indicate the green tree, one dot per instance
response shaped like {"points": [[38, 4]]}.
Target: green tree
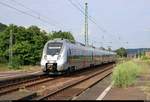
{"points": [[2, 27], [27, 44], [60, 34], [121, 52], [4, 41]]}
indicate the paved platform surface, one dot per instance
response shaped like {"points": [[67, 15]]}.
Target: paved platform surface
{"points": [[130, 93], [93, 92]]}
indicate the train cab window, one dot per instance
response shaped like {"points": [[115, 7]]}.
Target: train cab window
{"points": [[54, 48]]}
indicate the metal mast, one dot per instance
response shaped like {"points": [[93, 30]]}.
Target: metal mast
{"points": [[10, 48], [86, 24]]}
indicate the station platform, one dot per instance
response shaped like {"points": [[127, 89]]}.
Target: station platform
{"points": [[96, 91]]}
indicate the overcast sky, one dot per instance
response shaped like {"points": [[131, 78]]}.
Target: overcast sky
{"points": [[123, 20]]}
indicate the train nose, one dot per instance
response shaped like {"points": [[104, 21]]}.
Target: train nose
{"points": [[52, 57]]}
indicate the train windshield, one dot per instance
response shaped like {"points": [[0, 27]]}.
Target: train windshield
{"points": [[54, 48]]}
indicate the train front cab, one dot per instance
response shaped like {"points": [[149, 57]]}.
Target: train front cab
{"points": [[53, 60]]}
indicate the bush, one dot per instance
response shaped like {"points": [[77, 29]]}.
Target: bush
{"points": [[15, 63], [125, 74], [145, 58]]}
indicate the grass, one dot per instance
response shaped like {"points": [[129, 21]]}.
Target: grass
{"points": [[145, 59], [4, 67], [125, 74], [145, 73]]}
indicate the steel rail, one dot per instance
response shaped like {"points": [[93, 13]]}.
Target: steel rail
{"points": [[71, 84]]}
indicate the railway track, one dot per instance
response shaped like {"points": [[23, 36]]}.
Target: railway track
{"points": [[18, 79], [74, 88], [47, 88], [23, 84]]}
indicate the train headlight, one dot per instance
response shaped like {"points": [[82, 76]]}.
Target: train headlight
{"points": [[45, 57]]}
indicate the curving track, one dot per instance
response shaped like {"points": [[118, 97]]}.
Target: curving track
{"points": [[75, 87], [61, 87]]}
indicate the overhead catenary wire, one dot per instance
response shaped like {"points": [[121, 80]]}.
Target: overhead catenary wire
{"points": [[90, 18], [26, 13], [80, 9], [93, 18], [39, 14], [35, 12], [101, 28], [39, 17]]}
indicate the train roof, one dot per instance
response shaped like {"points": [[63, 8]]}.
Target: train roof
{"points": [[81, 44]]}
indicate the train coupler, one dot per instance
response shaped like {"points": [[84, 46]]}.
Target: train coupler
{"points": [[51, 67]]}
